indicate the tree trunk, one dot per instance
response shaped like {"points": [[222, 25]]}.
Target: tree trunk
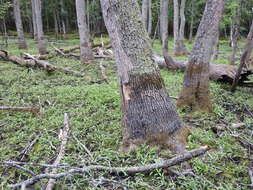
{"points": [[235, 34], [145, 10], [180, 49], [175, 21], [164, 20], [19, 26], [148, 113], [63, 19], [195, 93], [35, 32], [85, 45], [41, 41], [150, 17], [192, 20], [247, 51], [56, 28], [216, 47]]}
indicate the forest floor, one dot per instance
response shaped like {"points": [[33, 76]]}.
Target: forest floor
{"points": [[95, 120]]}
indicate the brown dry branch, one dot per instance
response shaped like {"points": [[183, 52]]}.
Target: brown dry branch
{"points": [[34, 110], [64, 138], [127, 170]]}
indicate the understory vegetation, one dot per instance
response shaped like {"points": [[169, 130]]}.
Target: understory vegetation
{"points": [[94, 109]]}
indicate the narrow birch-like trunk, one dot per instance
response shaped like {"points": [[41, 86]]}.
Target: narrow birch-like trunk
{"points": [[85, 45], [35, 30], [216, 47], [150, 17], [41, 41], [19, 26], [195, 92], [56, 28], [63, 18], [148, 113], [235, 34], [175, 21], [145, 10], [180, 49], [192, 20], [164, 10]]}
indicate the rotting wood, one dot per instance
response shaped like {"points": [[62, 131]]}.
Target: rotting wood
{"points": [[63, 136], [34, 110], [33, 62], [126, 170], [218, 72]]}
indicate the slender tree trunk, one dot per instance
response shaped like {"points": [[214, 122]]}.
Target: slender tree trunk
{"points": [[180, 49], [145, 10], [150, 17], [216, 47], [85, 45], [35, 32], [246, 54], [56, 28], [148, 113], [195, 93], [192, 20], [41, 41], [19, 26], [175, 21], [164, 10], [234, 34], [63, 19]]}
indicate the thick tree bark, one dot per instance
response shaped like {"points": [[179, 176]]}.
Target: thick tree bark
{"points": [[35, 32], [180, 48], [85, 45], [148, 113], [19, 26], [41, 41], [195, 92]]}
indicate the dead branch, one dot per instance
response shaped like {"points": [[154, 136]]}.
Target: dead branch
{"points": [[127, 170], [63, 136], [28, 148], [34, 62], [34, 110], [218, 72]]}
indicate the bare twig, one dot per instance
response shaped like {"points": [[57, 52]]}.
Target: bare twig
{"points": [[33, 164], [20, 167], [34, 110], [128, 170], [64, 138], [83, 146], [28, 148]]}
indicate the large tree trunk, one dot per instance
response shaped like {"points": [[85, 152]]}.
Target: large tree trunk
{"points": [[41, 41], [19, 26], [35, 32], [195, 93], [180, 49], [85, 45], [148, 113]]}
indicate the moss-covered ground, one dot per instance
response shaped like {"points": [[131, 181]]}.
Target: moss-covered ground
{"points": [[95, 120]]}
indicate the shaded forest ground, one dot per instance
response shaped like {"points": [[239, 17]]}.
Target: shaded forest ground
{"points": [[95, 121]]}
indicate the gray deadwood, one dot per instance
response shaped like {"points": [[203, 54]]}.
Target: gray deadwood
{"points": [[85, 45], [195, 92], [19, 26], [149, 115]]}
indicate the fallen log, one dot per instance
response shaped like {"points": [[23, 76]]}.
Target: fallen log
{"points": [[218, 72], [33, 62], [33, 110], [127, 170]]}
